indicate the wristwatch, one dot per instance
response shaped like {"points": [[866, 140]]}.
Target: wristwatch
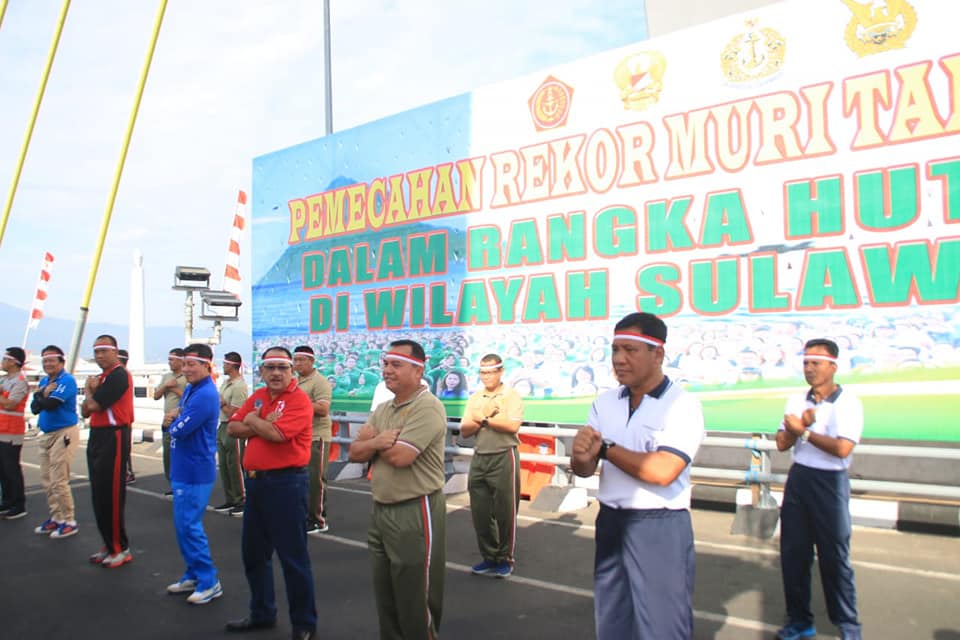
{"points": [[602, 455], [485, 423], [805, 436]]}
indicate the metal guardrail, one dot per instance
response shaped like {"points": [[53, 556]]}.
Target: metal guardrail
{"points": [[757, 474]]}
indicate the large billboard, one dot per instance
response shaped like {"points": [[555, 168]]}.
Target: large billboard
{"points": [[758, 181]]}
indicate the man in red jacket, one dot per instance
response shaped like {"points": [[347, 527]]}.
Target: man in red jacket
{"points": [[108, 403]]}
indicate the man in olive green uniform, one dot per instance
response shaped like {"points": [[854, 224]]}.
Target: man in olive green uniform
{"points": [[320, 393], [494, 415], [170, 389], [233, 393], [404, 440]]}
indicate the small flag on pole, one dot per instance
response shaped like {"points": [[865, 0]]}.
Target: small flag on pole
{"points": [[231, 275], [36, 312]]}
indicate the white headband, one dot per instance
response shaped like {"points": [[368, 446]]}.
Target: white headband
{"points": [[820, 357], [305, 354], [7, 356], [174, 357], [104, 347], [393, 355], [491, 367], [638, 337], [277, 359], [52, 356], [239, 364], [198, 359]]}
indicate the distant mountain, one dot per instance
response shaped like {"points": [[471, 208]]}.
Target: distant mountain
{"points": [[157, 340]]}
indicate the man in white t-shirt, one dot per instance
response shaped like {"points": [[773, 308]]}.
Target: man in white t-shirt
{"points": [[822, 425], [647, 432]]}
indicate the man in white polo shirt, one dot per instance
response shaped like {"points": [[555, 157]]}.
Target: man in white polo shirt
{"points": [[822, 425], [647, 432]]}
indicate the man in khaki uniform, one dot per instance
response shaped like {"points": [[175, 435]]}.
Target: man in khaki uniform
{"points": [[494, 415], [404, 440], [320, 393], [170, 389], [233, 393]]}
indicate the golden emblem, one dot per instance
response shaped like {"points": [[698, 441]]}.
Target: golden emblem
{"points": [[879, 25], [753, 55], [640, 79], [550, 104]]}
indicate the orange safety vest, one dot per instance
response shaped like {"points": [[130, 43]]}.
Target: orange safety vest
{"points": [[11, 420]]}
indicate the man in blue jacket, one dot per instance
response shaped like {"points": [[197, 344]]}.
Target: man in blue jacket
{"points": [[193, 469]]}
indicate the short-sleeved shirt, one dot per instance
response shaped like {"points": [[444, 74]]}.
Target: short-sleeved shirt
{"points": [[503, 401], [170, 399], [233, 392], [668, 419], [317, 388], [65, 415], [422, 421], [839, 415], [294, 423]]}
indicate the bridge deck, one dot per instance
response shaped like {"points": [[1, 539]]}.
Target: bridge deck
{"points": [[907, 582]]}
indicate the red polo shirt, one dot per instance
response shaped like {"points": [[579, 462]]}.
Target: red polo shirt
{"points": [[295, 423]]}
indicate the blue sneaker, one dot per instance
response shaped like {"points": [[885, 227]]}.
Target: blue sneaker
{"points": [[502, 570], [483, 568], [795, 632]]}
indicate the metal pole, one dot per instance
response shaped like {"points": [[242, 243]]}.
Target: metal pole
{"points": [[327, 75], [3, 10], [33, 116], [105, 224]]}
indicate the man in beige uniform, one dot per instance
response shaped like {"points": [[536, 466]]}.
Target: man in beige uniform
{"points": [[233, 393], [404, 440], [170, 389], [320, 393], [494, 415]]}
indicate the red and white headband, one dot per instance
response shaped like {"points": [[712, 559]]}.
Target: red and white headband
{"points": [[638, 337], [233, 362], [198, 359], [403, 357], [51, 356], [491, 367], [7, 356], [817, 356], [173, 356], [305, 354], [283, 359]]}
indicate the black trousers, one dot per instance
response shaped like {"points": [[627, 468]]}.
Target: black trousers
{"points": [[108, 453], [11, 477]]}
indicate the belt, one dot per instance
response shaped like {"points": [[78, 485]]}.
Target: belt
{"points": [[251, 473]]}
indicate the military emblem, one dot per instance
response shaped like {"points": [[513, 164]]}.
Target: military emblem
{"points": [[879, 25], [640, 79], [753, 55], [550, 104]]}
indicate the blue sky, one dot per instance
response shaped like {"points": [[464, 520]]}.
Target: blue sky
{"points": [[231, 80]]}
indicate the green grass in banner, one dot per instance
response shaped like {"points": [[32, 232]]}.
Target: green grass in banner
{"points": [[922, 418]]}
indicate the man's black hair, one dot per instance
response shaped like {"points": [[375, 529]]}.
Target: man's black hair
{"points": [[52, 348], [416, 349], [829, 345], [647, 323], [199, 349], [277, 348]]}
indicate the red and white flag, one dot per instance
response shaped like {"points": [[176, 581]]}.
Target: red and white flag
{"points": [[231, 275], [36, 312]]}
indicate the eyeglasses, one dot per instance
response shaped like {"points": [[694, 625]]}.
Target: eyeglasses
{"points": [[275, 367]]}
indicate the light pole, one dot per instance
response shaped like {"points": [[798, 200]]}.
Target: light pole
{"points": [[218, 306]]}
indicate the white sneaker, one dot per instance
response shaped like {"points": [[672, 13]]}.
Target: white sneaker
{"points": [[205, 596], [117, 559], [183, 586]]}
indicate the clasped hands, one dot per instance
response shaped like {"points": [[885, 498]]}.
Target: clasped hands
{"points": [[382, 440], [796, 425]]}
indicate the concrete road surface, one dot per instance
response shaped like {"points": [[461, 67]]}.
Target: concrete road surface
{"points": [[908, 583]]}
